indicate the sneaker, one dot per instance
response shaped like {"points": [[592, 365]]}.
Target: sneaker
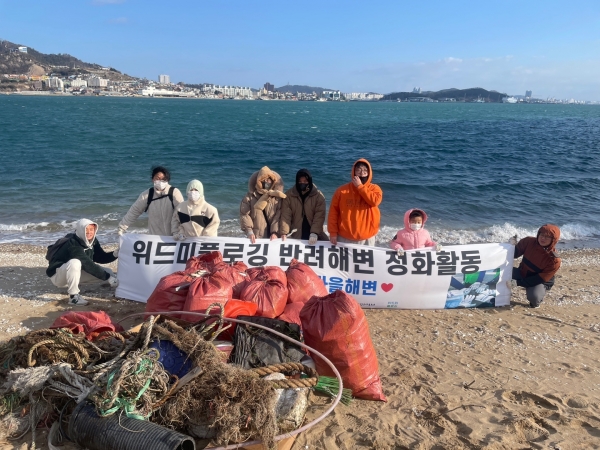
{"points": [[77, 300], [534, 306]]}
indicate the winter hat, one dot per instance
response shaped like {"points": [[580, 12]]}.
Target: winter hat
{"points": [[195, 184]]}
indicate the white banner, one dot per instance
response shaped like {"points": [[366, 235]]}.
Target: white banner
{"points": [[458, 276]]}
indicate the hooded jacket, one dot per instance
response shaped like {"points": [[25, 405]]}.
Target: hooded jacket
{"points": [[197, 218], [408, 239], [539, 264], [310, 204], [260, 209], [89, 253], [354, 211], [160, 211]]}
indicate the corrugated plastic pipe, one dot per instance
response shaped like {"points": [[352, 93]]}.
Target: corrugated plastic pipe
{"points": [[283, 336], [93, 432]]}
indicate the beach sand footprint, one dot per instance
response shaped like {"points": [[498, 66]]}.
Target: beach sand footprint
{"points": [[528, 399]]}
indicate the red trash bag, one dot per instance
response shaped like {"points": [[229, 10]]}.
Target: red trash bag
{"points": [[92, 323], [235, 273], [270, 294], [291, 313], [203, 292], [170, 293], [207, 261], [270, 272], [303, 283], [336, 326]]}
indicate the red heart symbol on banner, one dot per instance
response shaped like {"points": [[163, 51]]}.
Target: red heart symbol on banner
{"points": [[387, 287]]}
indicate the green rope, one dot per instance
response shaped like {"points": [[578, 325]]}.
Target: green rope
{"points": [[145, 366], [331, 387]]}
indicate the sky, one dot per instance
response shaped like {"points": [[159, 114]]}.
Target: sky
{"points": [[550, 47]]}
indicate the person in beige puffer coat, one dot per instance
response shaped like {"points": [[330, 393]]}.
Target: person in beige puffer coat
{"points": [[260, 209], [303, 210], [195, 217], [160, 209]]}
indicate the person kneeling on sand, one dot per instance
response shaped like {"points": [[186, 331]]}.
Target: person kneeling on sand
{"points": [[539, 265], [73, 260]]}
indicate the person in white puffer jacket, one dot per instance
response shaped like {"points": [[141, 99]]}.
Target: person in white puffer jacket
{"points": [[159, 201], [195, 217]]}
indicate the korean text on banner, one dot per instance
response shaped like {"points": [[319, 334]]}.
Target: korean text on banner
{"points": [[459, 276]]}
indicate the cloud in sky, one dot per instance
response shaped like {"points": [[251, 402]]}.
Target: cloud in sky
{"points": [[119, 20]]}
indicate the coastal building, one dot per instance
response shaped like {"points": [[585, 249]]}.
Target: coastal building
{"points": [[363, 96], [332, 95], [97, 82], [55, 84], [528, 94], [164, 79], [269, 87], [151, 91], [416, 90], [228, 91], [78, 82]]}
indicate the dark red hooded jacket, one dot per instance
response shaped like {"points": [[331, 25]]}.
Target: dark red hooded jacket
{"points": [[539, 264]]}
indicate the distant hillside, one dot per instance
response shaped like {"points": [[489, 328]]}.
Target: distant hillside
{"points": [[459, 94], [303, 89], [36, 63]]}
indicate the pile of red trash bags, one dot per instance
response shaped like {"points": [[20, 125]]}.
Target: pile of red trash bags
{"points": [[333, 324]]}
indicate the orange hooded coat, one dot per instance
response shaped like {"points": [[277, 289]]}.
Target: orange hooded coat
{"points": [[354, 211]]}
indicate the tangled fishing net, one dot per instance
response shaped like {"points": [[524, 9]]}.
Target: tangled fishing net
{"points": [[232, 402], [45, 373]]}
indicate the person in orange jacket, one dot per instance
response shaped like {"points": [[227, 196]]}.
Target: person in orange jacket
{"points": [[354, 211]]}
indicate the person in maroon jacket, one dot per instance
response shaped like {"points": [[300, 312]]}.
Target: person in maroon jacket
{"points": [[539, 265]]}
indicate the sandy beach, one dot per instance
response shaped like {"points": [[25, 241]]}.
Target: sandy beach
{"points": [[502, 378]]}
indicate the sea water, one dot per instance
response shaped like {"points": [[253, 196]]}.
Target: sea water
{"points": [[482, 172]]}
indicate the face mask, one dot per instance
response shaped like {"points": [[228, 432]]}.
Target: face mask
{"points": [[415, 226], [267, 185], [160, 185], [302, 186], [194, 196], [363, 180]]}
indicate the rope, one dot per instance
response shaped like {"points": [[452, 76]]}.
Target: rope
{"points": [[289, 382], [204, 330], [101, 369], [130, 382]]}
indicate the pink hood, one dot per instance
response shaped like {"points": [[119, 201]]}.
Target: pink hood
{"points": [[408, 239]]}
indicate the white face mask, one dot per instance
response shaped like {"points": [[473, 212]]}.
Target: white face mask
{"points": [[415, 226], [160, 185], [193, 196]]}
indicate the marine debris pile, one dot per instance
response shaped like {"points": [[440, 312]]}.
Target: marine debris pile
{"points": [[184, 376]]}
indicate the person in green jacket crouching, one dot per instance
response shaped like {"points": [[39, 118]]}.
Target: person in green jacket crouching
{"points": [[74, 259]]}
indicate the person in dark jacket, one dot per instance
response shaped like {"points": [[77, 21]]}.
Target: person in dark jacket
{"points": [[303, 211], [76, 261], [539, 265]]}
